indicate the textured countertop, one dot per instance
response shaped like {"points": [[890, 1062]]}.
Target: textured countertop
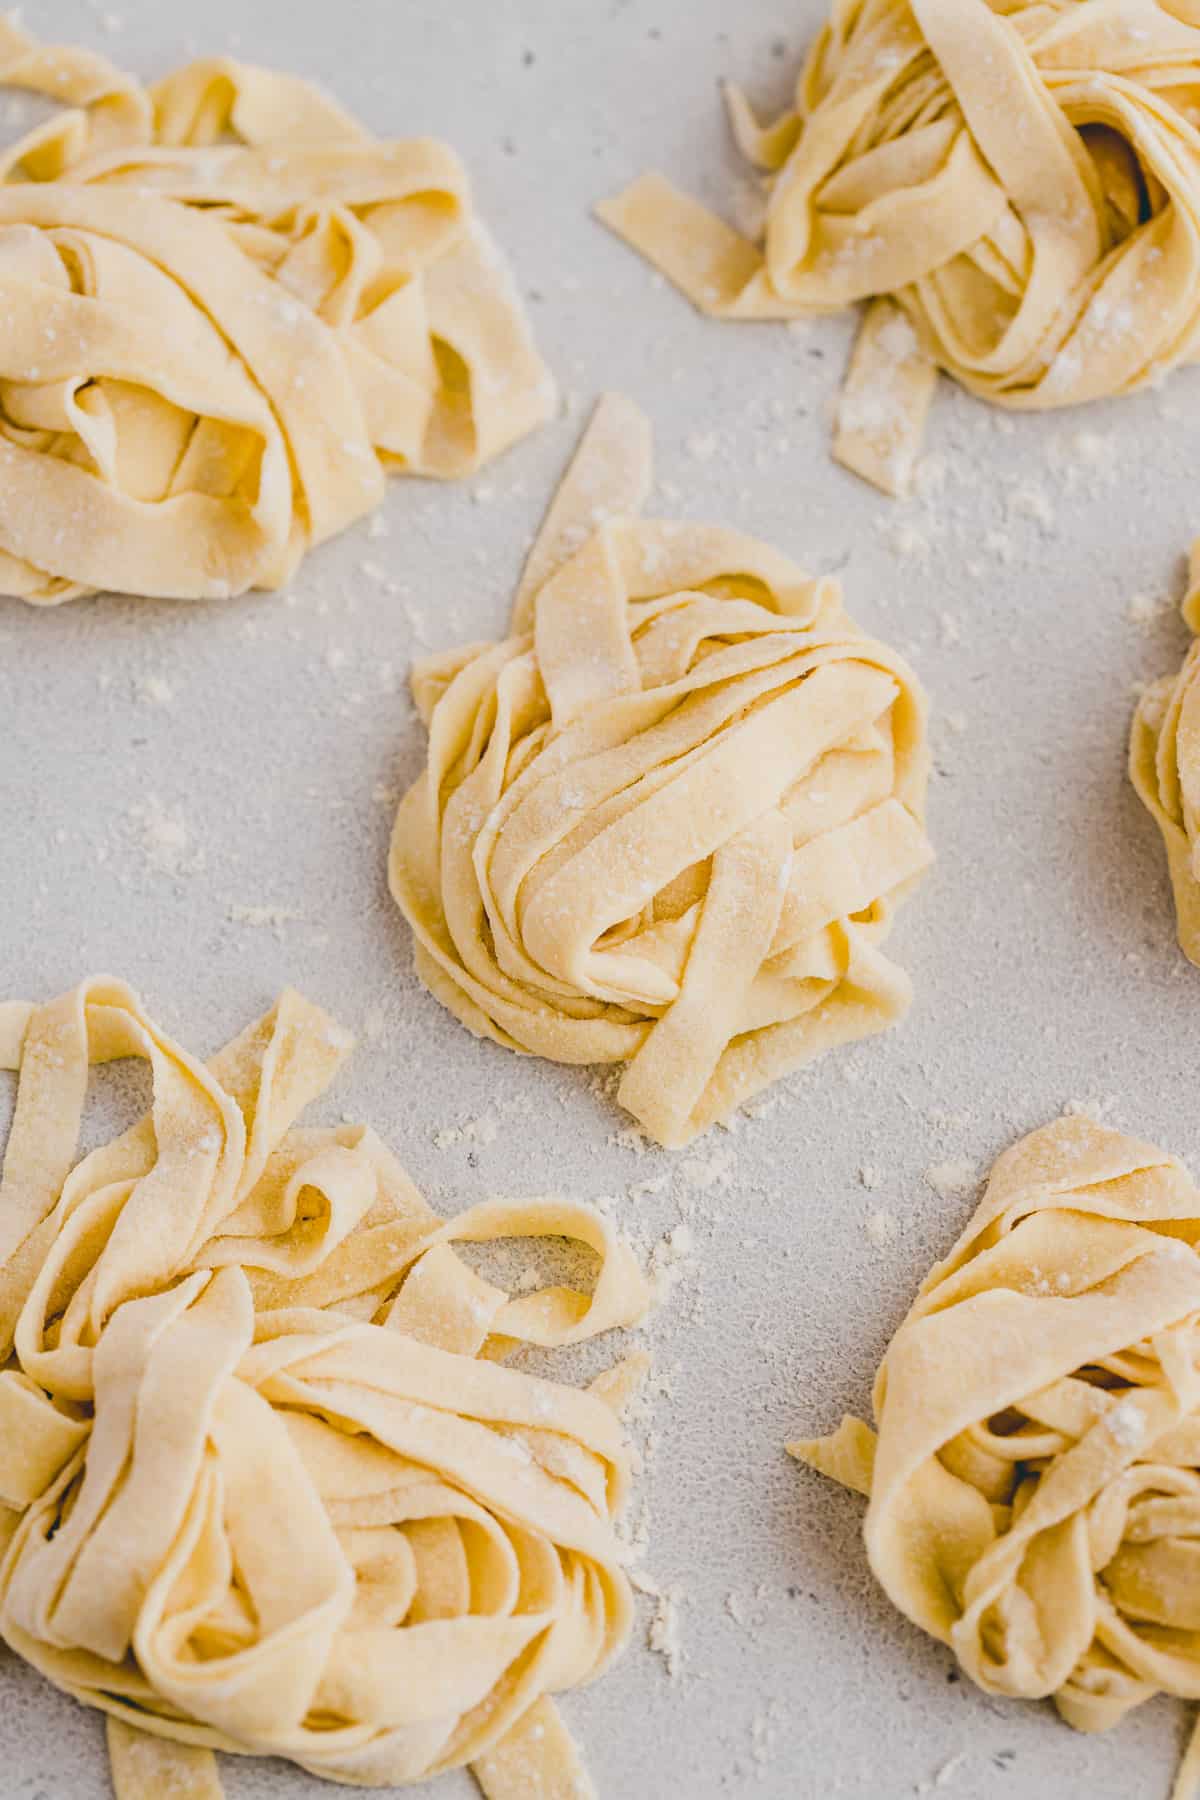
{"points": [[198, 798]]}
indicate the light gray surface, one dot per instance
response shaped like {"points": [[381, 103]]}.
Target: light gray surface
{"points": [[1042, 947]]}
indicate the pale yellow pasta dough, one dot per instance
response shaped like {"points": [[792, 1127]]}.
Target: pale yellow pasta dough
{"points": [[1015, 183], [265, 1486], [668, 820], [1035, 1478], [1164, 766], [226, 311]]}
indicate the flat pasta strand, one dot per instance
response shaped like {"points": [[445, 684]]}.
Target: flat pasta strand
{"points": [[265, 1485], [1034, 1477], [669, 820], [1020, 178], [228, 312], [1164, 766]]}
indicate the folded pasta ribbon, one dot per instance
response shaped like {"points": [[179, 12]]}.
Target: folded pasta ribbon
{"points": [[667, 822], [265, 1485], [1035, 1481], [1014, 186], [227, 310], [1164, 766]]}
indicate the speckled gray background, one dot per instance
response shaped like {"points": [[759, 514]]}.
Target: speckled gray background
{"points": [[273, 733]]}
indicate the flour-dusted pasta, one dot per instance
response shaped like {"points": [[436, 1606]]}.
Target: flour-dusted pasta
{"points": [[1035, 1481], [667, 822], [1015, 184], [1164, 766], [225, 311], [265, 1485]]}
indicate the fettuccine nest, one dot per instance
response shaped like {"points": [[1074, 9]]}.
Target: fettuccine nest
{"points": [[227, 311], [1014, 183], [265, 1486], [1035, 1478], [668, 821]]}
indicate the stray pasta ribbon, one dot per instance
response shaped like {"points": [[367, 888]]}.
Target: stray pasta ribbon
{"points": [[1164, 766], [1013, 186], [668, 821], [227, 312], [1034, 1480], [265, 1485]]}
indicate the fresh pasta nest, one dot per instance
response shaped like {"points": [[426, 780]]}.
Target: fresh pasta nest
{"points": [[667, 822], [1020, 178], [1164, 766], [264, 1485], [226, 311], [1035, 1481]]}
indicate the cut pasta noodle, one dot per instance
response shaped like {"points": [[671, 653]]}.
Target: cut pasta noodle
{"points": [[1164, 766], [1013, 186], [227, 311], [668, 821], [1035, 1481], [265, 1485]]}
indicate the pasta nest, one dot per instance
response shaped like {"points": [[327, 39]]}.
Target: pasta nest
{"points": [[1022, 180], [1035, 1483], [1164, 766], [227, 310], [265, 1486], [668, 820]]}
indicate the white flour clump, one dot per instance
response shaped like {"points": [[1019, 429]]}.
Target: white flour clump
{"points": [[881, 1229], [1146, 609], [702, 445], [951, 1179], [165, 839], [1126, 1423], [154, 690]]}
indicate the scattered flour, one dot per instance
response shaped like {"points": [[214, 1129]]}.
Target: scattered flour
{"points": [[1090, 1109], [670, 1261], [715, 1170], [484, 1130], [702, 445], [263, 918]]}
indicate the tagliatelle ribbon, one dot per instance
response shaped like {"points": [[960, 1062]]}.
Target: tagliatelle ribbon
{"points": [[1013, 184], [265, 1486], [1164, 766], [1035, 1478], [668, 821], [227, 311]]}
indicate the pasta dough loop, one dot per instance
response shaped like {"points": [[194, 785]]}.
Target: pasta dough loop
{"points": [[1035, 1481], [228, 310], [668, 821], [1013, 184], [265, 1486], [1164, 766]]}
